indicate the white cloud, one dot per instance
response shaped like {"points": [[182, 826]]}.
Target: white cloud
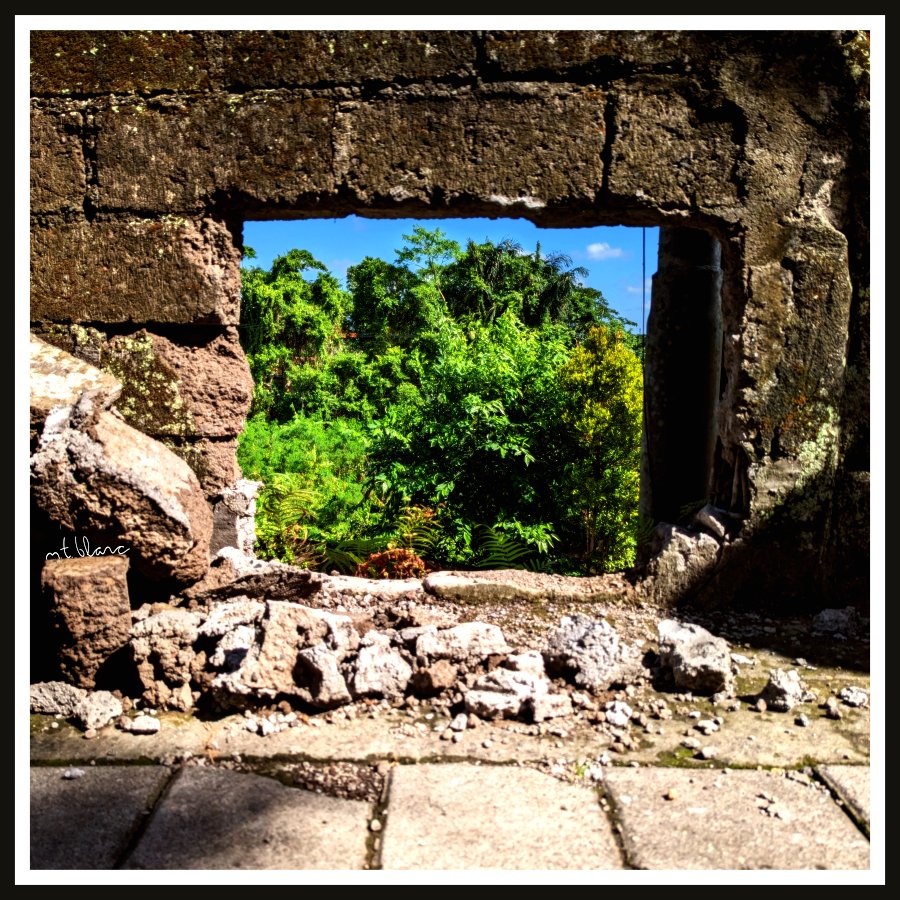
{"points": [[636, 289], [604, 251]]}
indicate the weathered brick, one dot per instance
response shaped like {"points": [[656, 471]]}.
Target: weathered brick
{"points": [[100, 62], [176, 154], [199, 386], [214, 462], [414, 148], [271, 59], [57, 161], [662, 153], [132, 270], [539, 51]]}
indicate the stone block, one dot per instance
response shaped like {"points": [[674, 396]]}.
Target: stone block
{"points": [[407, 149], [57, 161], [178, 153], [89, 604], [135, 270], [104, 62]]}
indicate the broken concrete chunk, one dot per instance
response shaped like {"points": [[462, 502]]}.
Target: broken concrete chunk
{"points": [[298, 653], [232, 649], [681, 561], [783, 691], [590, 651], [471, 641], [700, 662], [141, 725], [319, 679], [163, 646], [437, 677], [550, 706], [494, 705], [58, 379], [228, 615], [531, 661], [854, 696], [97, 709], [380, 672], [618, 714], [55, 698]]}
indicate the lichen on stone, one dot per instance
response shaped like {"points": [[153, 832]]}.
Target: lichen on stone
{"points": [[151, 398]]}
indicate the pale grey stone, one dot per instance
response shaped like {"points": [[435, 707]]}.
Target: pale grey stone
{"points": [[591, 651], [55, 698], [471, 641], [380, 671], [783, 691], [699, 661], [97, 709]]}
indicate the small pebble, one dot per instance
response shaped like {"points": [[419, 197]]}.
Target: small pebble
{"points": [[457, 737], [144, 725], [71, 773], [671, 794], [802, 720], [761, 705], [375, 825], [707, 753], [90, 733]]}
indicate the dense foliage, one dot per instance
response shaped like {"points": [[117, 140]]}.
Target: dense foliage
{"points": [[468, 407]]}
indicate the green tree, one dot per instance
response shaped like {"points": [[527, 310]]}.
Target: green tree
{"points": [[602, 384], [288, 323]]}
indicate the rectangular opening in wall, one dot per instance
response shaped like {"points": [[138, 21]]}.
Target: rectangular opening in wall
{"points": [[461, 393]]}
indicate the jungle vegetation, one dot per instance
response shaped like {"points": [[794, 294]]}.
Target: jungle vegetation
{"points": [[457, 407]]}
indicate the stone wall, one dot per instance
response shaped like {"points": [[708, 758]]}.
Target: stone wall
{"points": [[149, 150]]}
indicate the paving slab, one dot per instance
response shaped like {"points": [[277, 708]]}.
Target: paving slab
{"points": [[853, 784], [86, 822], [493, 817], [217, 819], [740, 819]]}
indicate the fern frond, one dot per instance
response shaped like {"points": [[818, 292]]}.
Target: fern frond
{"points": [[500, 551]]}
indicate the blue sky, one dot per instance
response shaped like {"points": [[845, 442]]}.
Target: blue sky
{"points": [[612, 255]]}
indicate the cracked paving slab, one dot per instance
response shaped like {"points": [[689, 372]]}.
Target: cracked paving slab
{"points": [[212, 819], [493, 817], [853, 784], [85, 818], [739, 819]]}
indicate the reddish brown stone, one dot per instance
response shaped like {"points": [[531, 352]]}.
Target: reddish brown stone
{"points": [[214, 462], [437, 677], [88, 598], [200, 387], [98, 475]]}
